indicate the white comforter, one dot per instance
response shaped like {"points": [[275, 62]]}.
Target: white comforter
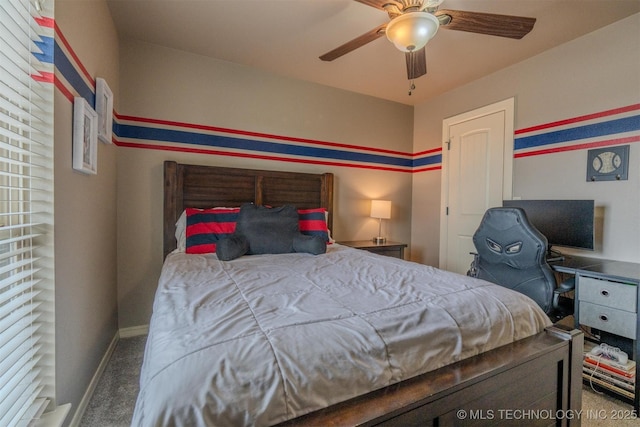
{"points": [[265, 338]]}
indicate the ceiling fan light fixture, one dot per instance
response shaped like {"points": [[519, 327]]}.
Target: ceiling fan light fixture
{"points": [[412, 31]]}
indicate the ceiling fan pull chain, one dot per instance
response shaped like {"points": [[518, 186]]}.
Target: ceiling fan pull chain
{"points": [[412, 87]]}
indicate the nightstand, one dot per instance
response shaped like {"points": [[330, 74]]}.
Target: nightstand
{"points": [[392, 249]]}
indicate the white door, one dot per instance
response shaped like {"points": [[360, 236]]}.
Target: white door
{"points": [[476, 175]]}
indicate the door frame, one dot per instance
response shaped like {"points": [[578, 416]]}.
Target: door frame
{"points": [[508, 107]]}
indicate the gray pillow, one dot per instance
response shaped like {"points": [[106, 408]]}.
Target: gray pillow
{"points": [[315, 245], [232, 247], [263, 230], [268, 230]]}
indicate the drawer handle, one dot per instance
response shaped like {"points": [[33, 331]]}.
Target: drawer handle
{"points": [[604, 318], [604, 293]]}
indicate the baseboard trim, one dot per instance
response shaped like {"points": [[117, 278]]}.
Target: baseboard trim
{"points": [[134, 331], [82, 406]]}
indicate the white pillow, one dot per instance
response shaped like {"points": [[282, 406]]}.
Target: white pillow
{"points": [[326, 218], [181, 232]]}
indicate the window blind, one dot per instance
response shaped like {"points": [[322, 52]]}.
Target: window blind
{"points": [[26, 219]]}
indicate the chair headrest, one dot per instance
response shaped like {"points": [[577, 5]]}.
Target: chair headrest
{"points": [[505, 236]]}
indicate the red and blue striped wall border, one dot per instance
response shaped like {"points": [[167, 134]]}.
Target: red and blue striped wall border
{"points": [[611, 127]]}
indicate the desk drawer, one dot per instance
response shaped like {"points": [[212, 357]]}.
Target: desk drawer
{"points": [[608, 319], [610, 294]]}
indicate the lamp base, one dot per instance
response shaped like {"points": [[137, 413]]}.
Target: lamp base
{"points": [[378, 240]]}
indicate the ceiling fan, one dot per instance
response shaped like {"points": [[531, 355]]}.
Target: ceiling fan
{"points": [[414, 22]]}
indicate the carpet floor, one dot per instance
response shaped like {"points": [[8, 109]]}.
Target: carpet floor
{"points": [[114, 398], [115, 395]]}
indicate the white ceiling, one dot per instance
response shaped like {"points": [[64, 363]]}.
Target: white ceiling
{"points": [[286, 37]]}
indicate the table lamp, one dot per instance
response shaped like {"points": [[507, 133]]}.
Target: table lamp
{"points": [[380, 209]]}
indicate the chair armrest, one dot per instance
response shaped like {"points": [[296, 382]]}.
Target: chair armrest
{"points": [[473, 268], [563, 307], [566, 286]]}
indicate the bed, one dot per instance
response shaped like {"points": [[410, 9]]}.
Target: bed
{"points": [[343, 338]]}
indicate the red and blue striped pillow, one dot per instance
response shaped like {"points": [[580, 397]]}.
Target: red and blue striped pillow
{"points": [[313, 222], [206, 226]]}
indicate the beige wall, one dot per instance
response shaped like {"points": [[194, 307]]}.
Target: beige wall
{"points": [[167, 84], [108, 227], [85, 216], [597, 72]]}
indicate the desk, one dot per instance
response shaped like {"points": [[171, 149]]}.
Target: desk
{"points": [[607, 298], [601, 268]]}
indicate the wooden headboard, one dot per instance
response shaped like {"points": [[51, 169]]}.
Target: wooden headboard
{"points": [[194, 186]]}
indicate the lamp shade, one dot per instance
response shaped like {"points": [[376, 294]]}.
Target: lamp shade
{"points": [[412, 30], [381, 209]]}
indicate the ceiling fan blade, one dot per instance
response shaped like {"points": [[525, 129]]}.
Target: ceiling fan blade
{"points": [[416, 63], [514, 27], [355, 43]]}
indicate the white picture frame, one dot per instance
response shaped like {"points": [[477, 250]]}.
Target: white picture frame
{"points": [[104, 108], [85, 137]]}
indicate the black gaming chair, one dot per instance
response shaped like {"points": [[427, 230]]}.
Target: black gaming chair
{"points": [[511, 252]]}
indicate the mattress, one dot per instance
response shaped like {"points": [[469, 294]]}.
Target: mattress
{"points": [[265, 338]]}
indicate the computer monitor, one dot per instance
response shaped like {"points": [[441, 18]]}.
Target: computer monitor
{"points": [[567, 223]]}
